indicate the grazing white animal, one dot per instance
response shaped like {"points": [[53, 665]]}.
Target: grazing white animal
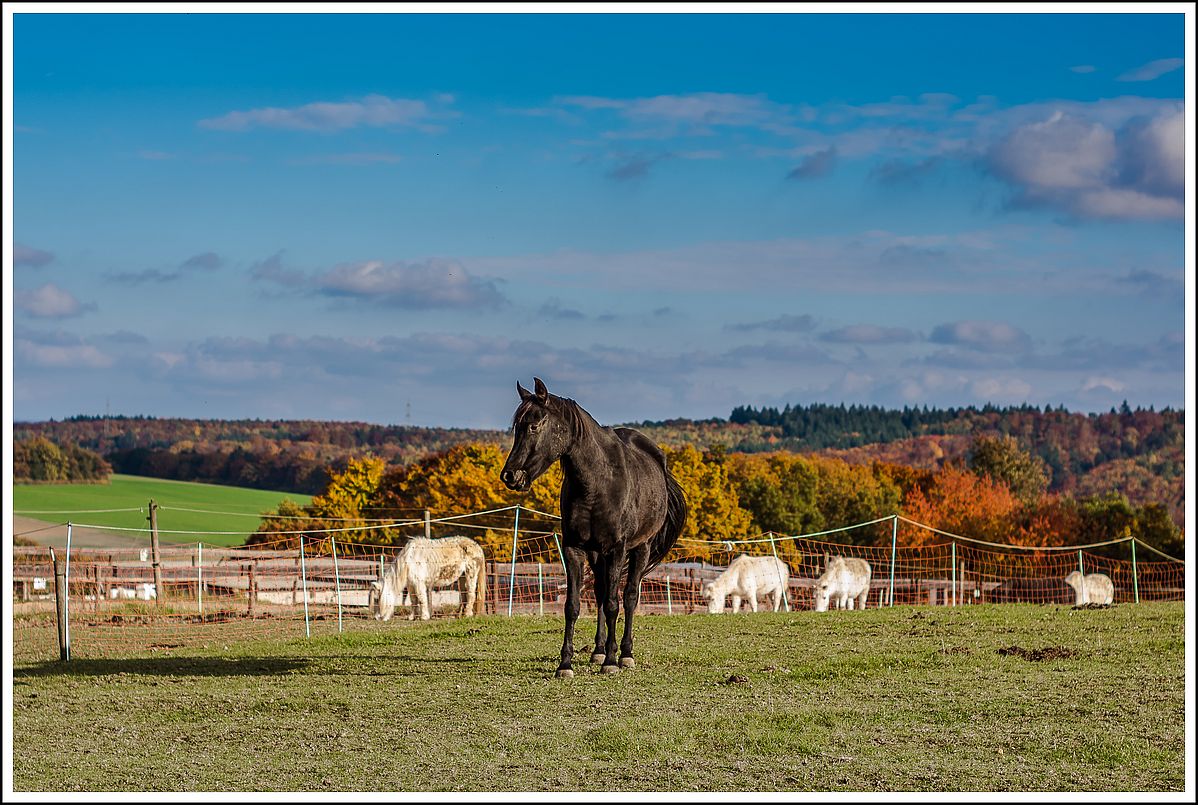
{"points": [[1093, 588], [427, 563], [845, 581], [746, 578]]}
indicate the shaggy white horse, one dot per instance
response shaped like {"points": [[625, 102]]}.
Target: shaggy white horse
{"points": [[427, 563], [746, 578], [1094, 588], [845, 581]]}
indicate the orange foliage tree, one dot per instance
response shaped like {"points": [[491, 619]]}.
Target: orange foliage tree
{"points": [[962, 503]]}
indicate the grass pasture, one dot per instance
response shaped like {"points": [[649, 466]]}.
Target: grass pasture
{"points": [[130, 491], [978, 698]]}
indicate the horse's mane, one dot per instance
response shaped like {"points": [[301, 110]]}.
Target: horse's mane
{"points": [[578, 420]]}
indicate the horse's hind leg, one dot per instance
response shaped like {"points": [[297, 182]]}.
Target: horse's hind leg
{"points": [[599, 572], [632, 598]]}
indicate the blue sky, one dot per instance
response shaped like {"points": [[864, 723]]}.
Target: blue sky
{"points": [[393, 217]]}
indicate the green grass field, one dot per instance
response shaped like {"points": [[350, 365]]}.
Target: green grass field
{"points": [[917, 699], [73, 502]]}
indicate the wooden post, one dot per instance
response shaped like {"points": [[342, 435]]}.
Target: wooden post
{"points": [[60, 606], [253, 589], [159, 592], [428, 525], [304, 580]]}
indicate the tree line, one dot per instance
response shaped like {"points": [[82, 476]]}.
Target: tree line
{"points": [[999, 495]]}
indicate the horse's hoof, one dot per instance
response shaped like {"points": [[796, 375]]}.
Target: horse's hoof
{"points": [[627, 662], [565, 673], [597, 659], [611, 669]]}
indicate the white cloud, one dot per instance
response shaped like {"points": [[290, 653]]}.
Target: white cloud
{"points": [[61, 356], [983, 336], [1091, 170], [432, 283], [1152, 70], [1107, 383], [49, 302], [27, 256], [371, 111]]}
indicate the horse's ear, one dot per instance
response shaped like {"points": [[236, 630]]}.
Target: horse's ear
{"points": [[539, 387], [525, 394]]}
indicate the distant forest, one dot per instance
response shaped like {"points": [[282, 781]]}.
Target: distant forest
{"points": [[1136, 452]]}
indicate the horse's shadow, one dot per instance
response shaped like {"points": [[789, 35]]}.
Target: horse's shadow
{"points": [[165, 666]]}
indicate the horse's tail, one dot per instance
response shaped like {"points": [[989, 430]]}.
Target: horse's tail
{"points": [[480, 586], [665, 539]]}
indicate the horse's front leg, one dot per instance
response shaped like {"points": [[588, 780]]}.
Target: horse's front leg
{"points": [[611, 605], [574, 557], [599, 573], [632, 598]]}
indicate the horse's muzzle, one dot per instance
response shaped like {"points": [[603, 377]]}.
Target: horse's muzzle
{"points": [[516, 480]]}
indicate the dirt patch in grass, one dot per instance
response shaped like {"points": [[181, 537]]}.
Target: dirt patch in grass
{"points": [[1039, 654], [1092, 606]]}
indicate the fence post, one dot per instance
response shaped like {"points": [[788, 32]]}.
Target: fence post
{"points": [[1135, 575], [252, 590], [954, 574], [785, 597], [200, 577], [159, 593], [560, 555], [893, 548], [540, 591], [60, 605], [669, 602], [337, 582], [66, 585], [1081, 567], [511, 590], [304, 577], [428, 525]]}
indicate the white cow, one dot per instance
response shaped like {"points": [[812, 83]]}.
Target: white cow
{"points": [[747, 577], [845, 581], [1094, 588], [427, 563]]}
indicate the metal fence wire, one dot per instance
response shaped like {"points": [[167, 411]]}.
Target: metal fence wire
{"points": [[115, 600]]}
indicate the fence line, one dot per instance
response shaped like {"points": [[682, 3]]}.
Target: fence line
{"points": [[214, 593]]}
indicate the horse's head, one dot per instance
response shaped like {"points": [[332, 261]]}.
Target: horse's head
{"points": [[541, 435], [381, 601], [822, 592], [715, 603]]}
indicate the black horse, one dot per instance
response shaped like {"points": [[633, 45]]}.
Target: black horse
{"points": [[621, 509]]}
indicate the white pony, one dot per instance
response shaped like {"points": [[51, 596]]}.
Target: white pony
{"points": [[747, 577], [427, 563], [1093, 588], [845, 581]]}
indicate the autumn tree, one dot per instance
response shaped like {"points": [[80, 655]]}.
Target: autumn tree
{"points": [[1003, 459], [961, 502], [713, 505]]}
